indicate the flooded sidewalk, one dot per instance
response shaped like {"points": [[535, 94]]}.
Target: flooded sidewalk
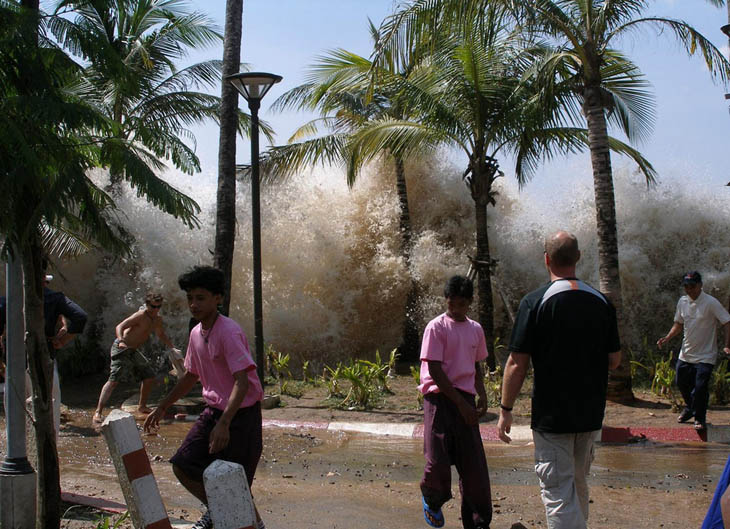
{"points": [[327, 479]]}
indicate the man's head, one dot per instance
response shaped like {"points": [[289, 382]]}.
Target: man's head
{"points": [[561, 253], [205, 287], [692, 283], [153, 300], [459, 293]]}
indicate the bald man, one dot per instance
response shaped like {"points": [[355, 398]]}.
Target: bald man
{"points": [[569, 331]]}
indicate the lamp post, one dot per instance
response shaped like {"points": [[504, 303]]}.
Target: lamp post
{"points": [[253, 86]]}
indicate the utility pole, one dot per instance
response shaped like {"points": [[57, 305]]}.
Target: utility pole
{"points": [[17, 477]]}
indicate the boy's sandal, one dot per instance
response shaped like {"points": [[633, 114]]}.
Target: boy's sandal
{"points": [[700, 426], [433, 518]]}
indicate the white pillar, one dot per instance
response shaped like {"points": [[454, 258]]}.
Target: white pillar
{"points": [[17, 477], [135, 473], [229, 498]]}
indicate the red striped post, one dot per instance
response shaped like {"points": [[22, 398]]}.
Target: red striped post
{"points": [[135, 473]]}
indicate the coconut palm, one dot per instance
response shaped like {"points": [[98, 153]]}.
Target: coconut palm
{"points": [[605, 88], [591, 80], [132, 47], [483, 101], [338, 87], [48, 143], [225, 218]]}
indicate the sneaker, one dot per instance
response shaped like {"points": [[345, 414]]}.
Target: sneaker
{"points": [[700, 426], [685, 415], [205, 522]]}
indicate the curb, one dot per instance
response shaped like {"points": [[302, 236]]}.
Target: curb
{"points": [[490, 433]]}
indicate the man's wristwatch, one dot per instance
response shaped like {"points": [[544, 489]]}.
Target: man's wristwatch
{"points": [[505, 408]]}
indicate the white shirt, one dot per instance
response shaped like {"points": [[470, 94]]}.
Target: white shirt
{"points": [[700, 318]]}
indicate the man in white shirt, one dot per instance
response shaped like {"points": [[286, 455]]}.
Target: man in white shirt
{"points": [[699, 315]]}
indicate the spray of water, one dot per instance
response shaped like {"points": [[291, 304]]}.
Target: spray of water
{"points": [[335, 284]]}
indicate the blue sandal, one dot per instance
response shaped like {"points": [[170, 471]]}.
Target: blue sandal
{"points": [[433, 518]]}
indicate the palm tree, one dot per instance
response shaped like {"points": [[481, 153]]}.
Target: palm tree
{"points": [[339, 88], [484, 102], [586, 77], [131, 47], [225, 219], [600, 85], [47, 145]]}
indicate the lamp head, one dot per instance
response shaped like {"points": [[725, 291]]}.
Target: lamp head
{"points": [[253, 86]]}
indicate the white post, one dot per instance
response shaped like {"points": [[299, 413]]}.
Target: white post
{"points": [[17, 477], [229, 498], [135, 473]]}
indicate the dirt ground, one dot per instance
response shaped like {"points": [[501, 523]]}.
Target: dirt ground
{"points": [[320, 479]]}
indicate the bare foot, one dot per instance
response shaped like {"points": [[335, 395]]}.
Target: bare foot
{"points": [[98, 418], [144, 409]]}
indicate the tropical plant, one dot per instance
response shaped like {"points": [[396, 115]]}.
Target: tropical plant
{"points": [[331, 378], [721, 383], [597, 84], [225, 217], [477, 96], [416, 376], [50, 136], [493, 386], [46, 149], [363, 378], [280, 365], [380, 369], [339, 87]]}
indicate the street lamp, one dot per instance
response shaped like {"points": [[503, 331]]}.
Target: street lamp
{"points": [[253, 86]]}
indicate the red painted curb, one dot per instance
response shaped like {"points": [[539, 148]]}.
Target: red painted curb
{"points": [[629, 434], [97, 503]]}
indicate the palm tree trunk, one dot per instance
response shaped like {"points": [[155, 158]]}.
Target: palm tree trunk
{"points": [[485, 308], [408, 351], [225, 227], [40, 369], [619, 388]]}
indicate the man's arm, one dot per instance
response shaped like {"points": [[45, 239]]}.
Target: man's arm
{"points": [[74, 320], [614, 360], [220, 434], [183, 386], [674, 331], [161, 334], [444, 384], [727, 338], [515, 372]]}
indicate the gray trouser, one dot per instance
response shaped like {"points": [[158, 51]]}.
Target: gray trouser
{"points": [[562, 464]]}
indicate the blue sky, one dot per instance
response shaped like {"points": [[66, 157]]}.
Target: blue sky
{"points": [[692, 129]]}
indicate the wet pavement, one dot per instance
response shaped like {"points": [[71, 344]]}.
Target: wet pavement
{"points": [[316, 478]]}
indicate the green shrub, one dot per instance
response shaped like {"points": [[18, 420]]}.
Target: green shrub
{"points": [[720, 384], [493, 387], [416, 375]]}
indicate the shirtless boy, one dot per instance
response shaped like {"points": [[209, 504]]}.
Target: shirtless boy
{"points": [[126, 361]]}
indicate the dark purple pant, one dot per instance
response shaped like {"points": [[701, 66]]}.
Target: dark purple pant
{"points": [[244, 446], [448, 440]]}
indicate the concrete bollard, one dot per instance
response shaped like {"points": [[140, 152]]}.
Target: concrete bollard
{"points": [[135, 473], [229, 498]]}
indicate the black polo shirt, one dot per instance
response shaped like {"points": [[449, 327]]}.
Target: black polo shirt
{"points": [[568, 328]]}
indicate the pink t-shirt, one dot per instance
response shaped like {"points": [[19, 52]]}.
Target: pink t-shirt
{"points": [[214, 356], [458, 345]]}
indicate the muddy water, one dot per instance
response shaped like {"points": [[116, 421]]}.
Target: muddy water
{"points": [[324, 479]]}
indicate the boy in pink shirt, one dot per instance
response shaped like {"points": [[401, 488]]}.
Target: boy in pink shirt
{"points": [[453, 345], [218, 355]]}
